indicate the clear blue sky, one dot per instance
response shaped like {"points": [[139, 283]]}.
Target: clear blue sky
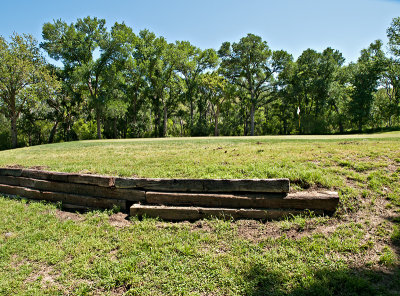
{"points": [[292, 25]]}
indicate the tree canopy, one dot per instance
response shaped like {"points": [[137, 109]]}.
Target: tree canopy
{"points": [[115, 83]]}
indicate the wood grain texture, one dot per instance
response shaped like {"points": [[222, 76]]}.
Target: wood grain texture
{"points": [[309, 200], [196, 213], [10, 172], [75, 188], [102, 181], [80, 200], [206, 185]]}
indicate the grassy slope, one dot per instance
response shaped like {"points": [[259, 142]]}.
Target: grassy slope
{"points": [[355, 252]]}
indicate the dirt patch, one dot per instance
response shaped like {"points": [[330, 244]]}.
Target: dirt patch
{"points": [[46, 275], [39, 167], [35, 167], [393, 168], [349, 143], [256, 231], [64, 216], [14, 166], [115, 291], [201, 225], [119, 220]]}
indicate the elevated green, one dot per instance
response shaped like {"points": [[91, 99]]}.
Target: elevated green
{"points": [[46, 251]]}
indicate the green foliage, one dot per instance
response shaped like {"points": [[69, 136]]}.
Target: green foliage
{"points": [[85, 130], [75, 44], [393, 33], [143, 86], [388, 257], [250, 65], [24, 79], [365, 82], [4, 133]]}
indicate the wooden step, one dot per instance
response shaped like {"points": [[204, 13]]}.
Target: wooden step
{"points": [[205, 185], [169, 185], [75, 199], [327, 200], [172, 213], [75, 188], [102, 181]]}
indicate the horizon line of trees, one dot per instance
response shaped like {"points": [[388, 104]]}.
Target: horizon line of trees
{"points": [[118, 84]]}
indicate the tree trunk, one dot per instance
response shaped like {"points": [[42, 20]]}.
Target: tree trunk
{"points": [[284, 127], [68, 130], [181, 124], [165, 121], [191, 115], [115, 128], [14, 140], [252, 119], [341, 128], [53, 132], [216, 131], [125, 126], [98, 121]]}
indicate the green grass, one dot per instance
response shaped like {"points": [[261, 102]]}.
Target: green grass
{"points": [[355, 252]]}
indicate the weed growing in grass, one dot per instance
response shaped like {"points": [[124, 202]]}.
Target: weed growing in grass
{"points": [[388, 257]]}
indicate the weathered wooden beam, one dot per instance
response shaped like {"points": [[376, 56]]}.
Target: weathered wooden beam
{"points": [[194, 213], [170, 185], [303, 200], [10, 172], [205, 185], [102, 181], [75, 188], [80, 200]]}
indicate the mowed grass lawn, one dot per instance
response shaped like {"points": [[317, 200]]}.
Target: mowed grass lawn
{"points": [[44, 250]]}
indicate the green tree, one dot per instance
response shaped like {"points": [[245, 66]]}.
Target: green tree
{"points": [[24, 78], [249, 64], [157, 58], [365, 81], [313, 88], [213, 87], [77, 46], [392, 73], [192, 62]]}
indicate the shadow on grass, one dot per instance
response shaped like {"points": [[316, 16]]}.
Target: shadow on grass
{"points": [[346, 282], [327, 282]]}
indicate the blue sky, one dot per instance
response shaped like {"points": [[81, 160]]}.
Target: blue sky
{"points": [[292, 25]]}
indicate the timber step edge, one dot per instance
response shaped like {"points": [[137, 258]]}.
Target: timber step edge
{"points": [[206, 185], [326, 200], [148, 184], [174, 213], [75, 188], [68, 198]]}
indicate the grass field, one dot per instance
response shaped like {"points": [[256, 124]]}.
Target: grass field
{"points": [[44, 250]]}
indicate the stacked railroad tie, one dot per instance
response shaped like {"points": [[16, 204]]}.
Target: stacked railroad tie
{"points": [[169, 199]]}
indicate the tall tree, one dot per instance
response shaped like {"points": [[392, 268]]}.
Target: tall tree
{"points": [[365, 80], [24, 78], [311, 80], [250, 65], [213, 87], [158, 59], [392, 73], [192, 62], [77, 47]]}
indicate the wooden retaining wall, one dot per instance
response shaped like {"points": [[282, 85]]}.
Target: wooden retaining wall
{"points": [[170, 199]]}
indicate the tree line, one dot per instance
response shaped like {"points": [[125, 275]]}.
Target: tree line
{"points": [[114, 83]]}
